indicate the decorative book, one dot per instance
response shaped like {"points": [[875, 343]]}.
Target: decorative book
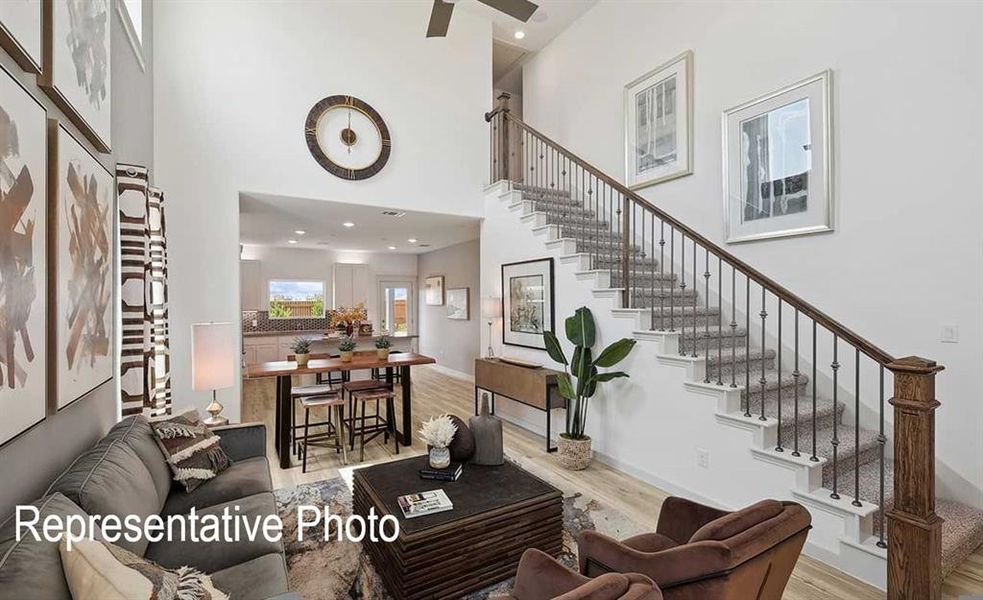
{"points": [[424, 503], [451, 473]]}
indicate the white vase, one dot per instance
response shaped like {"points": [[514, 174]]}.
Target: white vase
{"points": [[440, 458]]}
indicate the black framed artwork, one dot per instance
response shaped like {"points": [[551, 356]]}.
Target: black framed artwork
{"points": [[527, 302]]}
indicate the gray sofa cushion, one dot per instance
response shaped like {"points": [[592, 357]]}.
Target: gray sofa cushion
{"points": [[30, 569], [135, 431], [215, 556], [110, 479], [256, 579], [243, 478]]}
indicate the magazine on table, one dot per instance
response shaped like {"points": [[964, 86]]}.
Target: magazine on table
{"points": [[424, 503]]}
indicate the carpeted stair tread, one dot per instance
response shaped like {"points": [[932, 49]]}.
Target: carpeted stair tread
{"points": [[740, 355], [526, 188], [962, 532], [846, 452]]}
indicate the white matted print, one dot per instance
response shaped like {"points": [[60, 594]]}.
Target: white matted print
{"points": [[23, 264], [433, 290], [777, 163], [78, 65], [458, 304], [527, 302], [20, 32], [83, 212], [658, 124]]}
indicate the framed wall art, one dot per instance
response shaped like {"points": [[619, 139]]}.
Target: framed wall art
{"points": [[527, 302], [78, 63], [777, 163], [433, 290], [459, 304], [659, 124], [81, 216], [23, 266], [20, 32]]}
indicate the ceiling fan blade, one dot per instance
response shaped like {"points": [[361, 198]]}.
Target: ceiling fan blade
{"points": [[519, 9], [440, 19]]}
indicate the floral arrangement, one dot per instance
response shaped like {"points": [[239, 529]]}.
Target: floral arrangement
{"points": [[301, 345], [347, 344], [349, 316], [438, 431], [382, 342]]}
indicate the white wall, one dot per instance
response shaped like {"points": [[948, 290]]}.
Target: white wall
{"points": [[233, 86], [905, 257], [309, 264], [454, 343]]}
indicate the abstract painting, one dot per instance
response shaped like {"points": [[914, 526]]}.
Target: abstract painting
{"points": [[82, 211], [77, 65], [528, 302], [23, 268], [20, 32], [776, 163], [658, 131], [458, 304], [433, 290]]}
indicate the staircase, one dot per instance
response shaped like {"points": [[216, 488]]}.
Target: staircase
{"points": [[705, 312]]}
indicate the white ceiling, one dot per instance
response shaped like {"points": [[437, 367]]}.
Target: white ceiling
{"points": [[270, 220], [552, 17]]}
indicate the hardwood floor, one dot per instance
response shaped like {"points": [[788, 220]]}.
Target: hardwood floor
{"points": [[435, 393]]}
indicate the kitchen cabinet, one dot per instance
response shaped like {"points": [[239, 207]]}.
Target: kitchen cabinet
{"points": [[351, 285]]}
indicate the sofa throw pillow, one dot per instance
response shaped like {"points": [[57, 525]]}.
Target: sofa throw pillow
{"points": [[102, 570], [192, 450]]}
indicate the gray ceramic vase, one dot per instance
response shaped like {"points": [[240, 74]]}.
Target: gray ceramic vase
{"points": [[487, 431]]}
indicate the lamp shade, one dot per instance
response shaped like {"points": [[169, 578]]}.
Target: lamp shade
{"points": [[491, 307], [213, 356]]}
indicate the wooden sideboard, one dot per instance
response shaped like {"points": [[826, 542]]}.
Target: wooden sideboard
{"points": [[535, 387]]}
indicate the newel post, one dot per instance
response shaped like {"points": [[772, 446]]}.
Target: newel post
{"points": [[914, 552], [503, 105]]}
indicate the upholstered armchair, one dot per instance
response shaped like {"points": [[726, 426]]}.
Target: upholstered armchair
{"points": [[702, 553], [541, 577]]}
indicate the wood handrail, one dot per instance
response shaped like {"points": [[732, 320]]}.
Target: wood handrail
{"points": [[829, 323]]}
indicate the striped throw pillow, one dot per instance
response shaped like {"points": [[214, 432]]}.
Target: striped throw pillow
{"points": [[191, 449]]}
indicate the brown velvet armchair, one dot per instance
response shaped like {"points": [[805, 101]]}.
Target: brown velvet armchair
{"points": [[541, 577], [702, 553]]}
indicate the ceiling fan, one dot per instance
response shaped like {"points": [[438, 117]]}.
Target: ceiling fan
{"points": [[440, 16]]}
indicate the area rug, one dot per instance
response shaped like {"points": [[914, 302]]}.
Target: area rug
{"points": [[333, 570]]}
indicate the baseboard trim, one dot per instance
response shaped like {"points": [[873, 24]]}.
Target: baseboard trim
{"points": [[452, 372]]}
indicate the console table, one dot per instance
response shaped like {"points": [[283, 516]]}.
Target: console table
{"points": [[535, 387]]}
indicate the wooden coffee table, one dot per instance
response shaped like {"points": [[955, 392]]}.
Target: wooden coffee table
{"points": [[498, 513]]}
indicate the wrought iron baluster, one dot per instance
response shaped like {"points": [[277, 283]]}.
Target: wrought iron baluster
{"points": [[706, 320], [720, 321], [856, 428], [815, 359], [779, 447], [881, 441], [733, 326], [672, 276], [795, 382], [763, 381], [696, 302], [835, 442], [662, 272], [682, 290], [747, 349]]}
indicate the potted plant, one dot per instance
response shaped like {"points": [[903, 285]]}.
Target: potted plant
{"points": [[347, 348], [574, 445], [349, 318], [382, 345], [302, 351], [438, 433]]}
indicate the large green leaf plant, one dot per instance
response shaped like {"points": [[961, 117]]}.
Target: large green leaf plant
{"points": [[581, 332]]}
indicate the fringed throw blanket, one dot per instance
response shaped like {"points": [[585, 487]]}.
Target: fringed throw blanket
{"points": [[192, 451]]}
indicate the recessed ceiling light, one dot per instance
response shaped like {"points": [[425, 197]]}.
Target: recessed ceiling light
{"points": [[392, 247], [348, 224], [300, 232], [520, 34], [291, 241], [411, 240]]}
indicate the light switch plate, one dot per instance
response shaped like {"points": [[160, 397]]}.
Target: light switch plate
{"points": [[703, 458], [950, 334]]}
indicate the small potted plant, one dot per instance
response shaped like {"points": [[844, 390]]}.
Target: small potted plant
{"points": [[302, 351], [347, 348], [574, 451], [382, 345], [438, 433]]}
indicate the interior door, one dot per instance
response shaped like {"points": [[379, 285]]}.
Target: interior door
{"points": [[397, 303]]}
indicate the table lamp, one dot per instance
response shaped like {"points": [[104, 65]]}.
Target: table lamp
{"points": [[213, 356], [491, 309]]}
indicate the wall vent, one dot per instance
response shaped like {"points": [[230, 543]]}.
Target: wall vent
{"points": [[394, 213]]}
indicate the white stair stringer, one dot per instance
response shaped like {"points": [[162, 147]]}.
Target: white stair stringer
{"points": [[743, 447]]}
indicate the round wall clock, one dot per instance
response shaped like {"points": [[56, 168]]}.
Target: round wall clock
{"points": [[347, 137]]}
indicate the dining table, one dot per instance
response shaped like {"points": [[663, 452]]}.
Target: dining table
{"points": [[285, 370]]}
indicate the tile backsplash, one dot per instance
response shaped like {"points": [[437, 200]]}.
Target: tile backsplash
{"points": [[265, 324]]}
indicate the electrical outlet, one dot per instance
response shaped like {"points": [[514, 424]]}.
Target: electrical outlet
{"points": [[255, 323], [703, 458], [950, 334]]}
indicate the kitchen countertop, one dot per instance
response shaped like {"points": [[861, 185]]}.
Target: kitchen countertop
{"points": [[319, 335]]}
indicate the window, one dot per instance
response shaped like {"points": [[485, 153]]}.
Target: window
{"points": [[131, 14], [397, 299], [296, 299]]}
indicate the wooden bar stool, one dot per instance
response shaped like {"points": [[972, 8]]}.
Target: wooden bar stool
{"points": [[379, 425], [335, 403], [317, 390], [356, 387]]}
